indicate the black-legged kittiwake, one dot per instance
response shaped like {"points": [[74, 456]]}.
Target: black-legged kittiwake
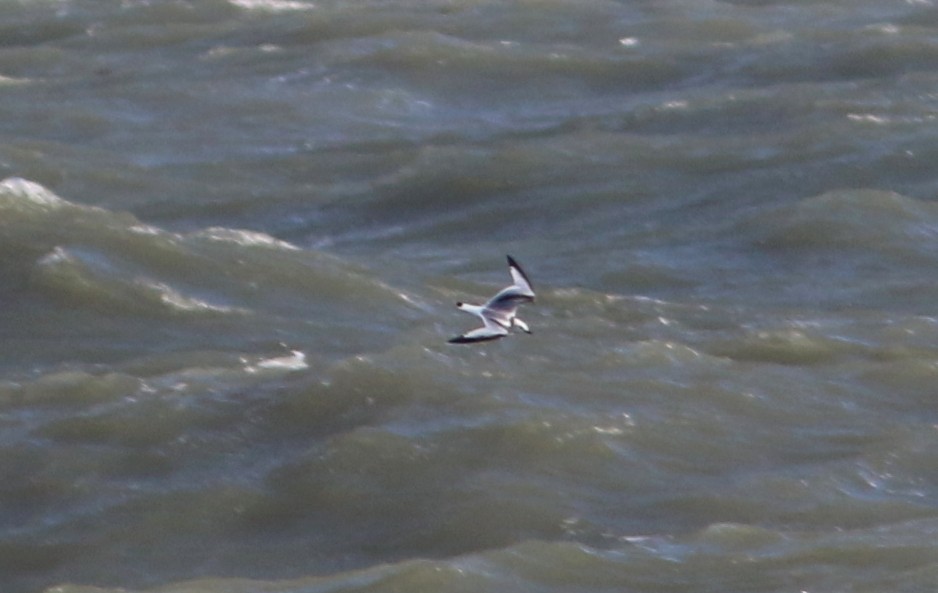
{"points": [[498, 314]]}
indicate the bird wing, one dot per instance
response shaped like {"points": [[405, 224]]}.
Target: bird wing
{"points": [[506, 301], [519, 278], [490, 331], [502, 306]]}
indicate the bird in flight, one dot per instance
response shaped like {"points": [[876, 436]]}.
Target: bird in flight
{"points": [[498, 314]]}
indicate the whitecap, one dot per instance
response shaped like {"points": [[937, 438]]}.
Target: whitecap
{"points": [[272, 5], [56, 256], [10, 81], [244, 238], [176, 300], [30, 192], [868, 118], [146, 229], [296, 361]]}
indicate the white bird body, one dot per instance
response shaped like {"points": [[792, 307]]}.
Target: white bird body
{"points": [[498, 313]]}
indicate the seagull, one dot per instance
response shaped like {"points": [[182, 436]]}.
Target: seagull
{"points": [[498, 314]]}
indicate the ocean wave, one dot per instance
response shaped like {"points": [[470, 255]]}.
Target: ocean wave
{"points": [[103, 258], [725, 556], [853, 219]]}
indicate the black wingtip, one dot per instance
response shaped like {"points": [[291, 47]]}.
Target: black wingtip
{"points": [[514, 264], [465, 340]]}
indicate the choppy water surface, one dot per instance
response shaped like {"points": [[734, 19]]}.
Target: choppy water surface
{"points": [[232, 234]]}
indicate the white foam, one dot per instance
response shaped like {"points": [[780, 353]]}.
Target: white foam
{"points": [[31, 192], [868, 118], [272, 5], [56, 256], [9, 81], [296, 361], [245, 238], [146, 229], [176, 300]]}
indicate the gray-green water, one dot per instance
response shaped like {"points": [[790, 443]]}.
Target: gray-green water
{"points": [[232, 234]]}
